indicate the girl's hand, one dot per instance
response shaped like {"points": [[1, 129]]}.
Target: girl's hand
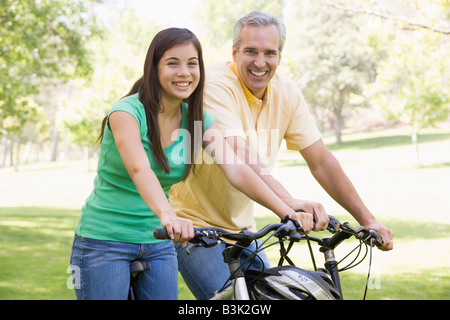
{"points": [[180, 230]]}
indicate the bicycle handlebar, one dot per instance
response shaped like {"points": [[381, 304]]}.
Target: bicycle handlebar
{"points": [[215, 232], [209, 236]]}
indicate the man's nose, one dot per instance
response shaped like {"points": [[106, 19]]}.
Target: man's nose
{"points": [[260, 61]]}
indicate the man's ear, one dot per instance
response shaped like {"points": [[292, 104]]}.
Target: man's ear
{"points": [[234, 52]]}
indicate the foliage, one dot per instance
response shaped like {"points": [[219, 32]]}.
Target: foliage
{"points": [[331, 60], [413, 83], [52, 63], [217, 19], [119, 59], [40, 40], [430, 15]]}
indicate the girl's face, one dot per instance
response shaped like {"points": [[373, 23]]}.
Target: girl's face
{"points": [[178, 73]]}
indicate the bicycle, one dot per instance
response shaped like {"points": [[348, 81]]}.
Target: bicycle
{"points": [[136, 267], [284, 282]]}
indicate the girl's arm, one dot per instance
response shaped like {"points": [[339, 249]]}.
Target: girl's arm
{"points": [[243, 178], [128, 141]]}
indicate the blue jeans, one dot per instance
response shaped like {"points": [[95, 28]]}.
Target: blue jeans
{"points": [[204, 271], [101, 270]]}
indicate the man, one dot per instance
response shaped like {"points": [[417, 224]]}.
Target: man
{"points": [[255, 107]]}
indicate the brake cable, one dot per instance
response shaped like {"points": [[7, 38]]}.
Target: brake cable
{"points": [[370, 265]]}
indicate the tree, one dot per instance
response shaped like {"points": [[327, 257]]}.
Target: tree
{"points": [[331, 60], [413, 83], [432, 15], [217, 19], [41, 41], [118, 59]]}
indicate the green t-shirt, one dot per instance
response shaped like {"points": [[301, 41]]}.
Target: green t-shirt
{"points": [[114, 210]]}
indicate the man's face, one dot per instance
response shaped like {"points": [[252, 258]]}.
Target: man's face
{"points": [[258, 57]]}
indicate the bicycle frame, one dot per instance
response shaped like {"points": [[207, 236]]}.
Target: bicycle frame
{"points": [[238, 286], [136, 267], [238, 290]]}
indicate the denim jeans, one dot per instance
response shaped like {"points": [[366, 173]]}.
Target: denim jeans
{"points": [[101, 270], [204, 271]]}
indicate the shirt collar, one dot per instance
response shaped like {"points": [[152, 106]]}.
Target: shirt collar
{"points": [[248, 95]]}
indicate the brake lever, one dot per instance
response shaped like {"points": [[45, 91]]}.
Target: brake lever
{"points": [[191, 246], [369, 233], [333, 225], [378, 240], [204, 242], [203, 239], [290, 230]]}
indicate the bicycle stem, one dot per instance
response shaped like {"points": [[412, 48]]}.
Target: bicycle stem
{"points": [[231, 257], [331, 266], [327, 248]]}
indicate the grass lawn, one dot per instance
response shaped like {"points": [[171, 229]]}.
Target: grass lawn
{"points": [[39, 208]]}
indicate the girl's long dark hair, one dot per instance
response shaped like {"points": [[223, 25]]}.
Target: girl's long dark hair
{"points": [[149, 90]]}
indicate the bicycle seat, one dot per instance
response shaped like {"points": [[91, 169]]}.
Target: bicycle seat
{"points": [[137, 266]]}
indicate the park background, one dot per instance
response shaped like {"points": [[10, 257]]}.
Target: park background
{"points": [[374, 73]]}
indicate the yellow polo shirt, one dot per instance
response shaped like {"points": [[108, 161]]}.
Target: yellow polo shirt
{"points": [[207, 198]]}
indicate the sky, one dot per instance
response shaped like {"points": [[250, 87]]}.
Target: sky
{"points": [[170, 13]]}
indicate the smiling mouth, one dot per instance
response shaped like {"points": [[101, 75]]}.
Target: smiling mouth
{"points": [[258, 73], [182, 84]]}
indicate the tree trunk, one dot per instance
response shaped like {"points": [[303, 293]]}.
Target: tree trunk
{"points": [[338, 123], [16, 162], [26, 152], [340, 105], [415, 145], [5, 152], [54, 150]]}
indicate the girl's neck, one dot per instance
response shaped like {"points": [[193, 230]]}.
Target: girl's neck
{"points": [[171, 109]]}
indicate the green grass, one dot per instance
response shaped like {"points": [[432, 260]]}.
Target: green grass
{"points": [[35, 248], [34, 252], [365, 141], [35, 240]]}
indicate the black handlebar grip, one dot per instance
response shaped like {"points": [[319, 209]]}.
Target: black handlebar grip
{"points": [[161, 233]]}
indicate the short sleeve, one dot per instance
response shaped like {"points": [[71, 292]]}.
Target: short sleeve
{"points": [[134, 107], [207, 119], [302, 130], [221, 103]]}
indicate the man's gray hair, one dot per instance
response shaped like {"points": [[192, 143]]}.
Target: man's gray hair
{"points": [[259, 19]]}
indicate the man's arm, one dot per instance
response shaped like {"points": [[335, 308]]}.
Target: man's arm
{"points": [[327, 171], [249, 156]]}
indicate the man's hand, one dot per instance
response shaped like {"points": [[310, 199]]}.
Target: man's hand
{"points": [[305, 219], [385, 233]]}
